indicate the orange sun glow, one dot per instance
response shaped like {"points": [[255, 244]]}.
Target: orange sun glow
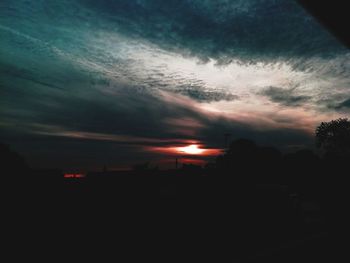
{"points": [[191, 149]]}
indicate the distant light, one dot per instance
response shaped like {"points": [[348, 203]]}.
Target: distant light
{"points": [[74, 175]]}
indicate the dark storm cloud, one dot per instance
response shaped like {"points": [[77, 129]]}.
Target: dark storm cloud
{"points": [[208, 96], [201, 95], [85, 130], [44, 151], [286, 97], [344, 105], [222, 29]]}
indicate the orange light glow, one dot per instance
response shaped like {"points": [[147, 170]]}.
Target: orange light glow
{"points": [[191, 149]]}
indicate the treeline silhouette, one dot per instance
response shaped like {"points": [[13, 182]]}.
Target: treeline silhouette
{"points": [[251, 198]]}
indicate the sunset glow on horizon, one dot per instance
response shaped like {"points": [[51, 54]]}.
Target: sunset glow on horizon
{"points": [[191, 149]]}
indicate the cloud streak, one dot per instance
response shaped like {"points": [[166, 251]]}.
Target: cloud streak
{"points": [[285, 97]]}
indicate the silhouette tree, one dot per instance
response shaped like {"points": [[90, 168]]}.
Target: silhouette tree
{"points": [[334, 138], [240, 154], [247, 162]]}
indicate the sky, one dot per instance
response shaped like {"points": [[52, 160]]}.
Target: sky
{"points": [[116, 82]]}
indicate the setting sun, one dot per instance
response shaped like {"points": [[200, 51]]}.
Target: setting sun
{"points": [[191, 149]]}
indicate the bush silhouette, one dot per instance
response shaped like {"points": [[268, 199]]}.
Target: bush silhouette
{"points": [[334, 138]]}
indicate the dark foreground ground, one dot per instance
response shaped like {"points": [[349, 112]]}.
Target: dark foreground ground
{"points": [[174, 217]]}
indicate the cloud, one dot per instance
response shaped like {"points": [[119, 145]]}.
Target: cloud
{"points": [[107, 80], [285, 97], [222, 29], [206, 96]]}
